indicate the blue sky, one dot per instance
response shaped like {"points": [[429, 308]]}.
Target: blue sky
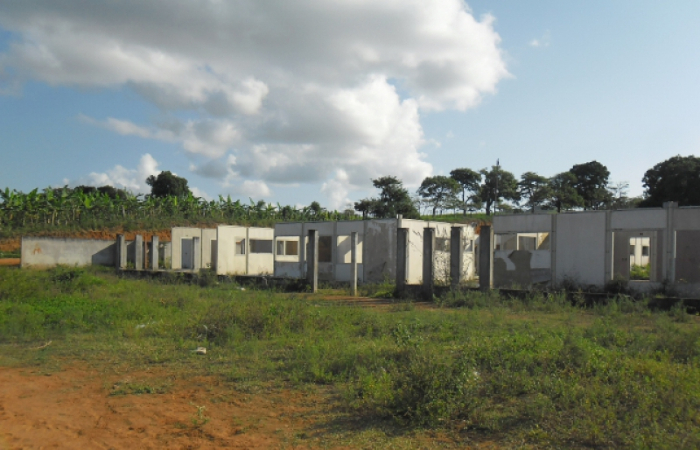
{"points": [[307, 102]]}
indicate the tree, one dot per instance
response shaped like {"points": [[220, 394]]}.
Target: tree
{"points": [[591, 184], [315, 208], [166, 184], [440, 191], [469, 181], [498, 184], [676, 179], [534, 188], [393, 199], [563, 194]]}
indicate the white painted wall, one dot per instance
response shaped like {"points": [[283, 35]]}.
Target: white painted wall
{"points": [[177, 235], [261, 263], [227, 262]]}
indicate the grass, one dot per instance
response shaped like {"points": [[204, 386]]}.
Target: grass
{"points": [[640, 272], [537, 372]]}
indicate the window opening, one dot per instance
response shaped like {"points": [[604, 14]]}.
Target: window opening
{"points": [[240, 246], [324, 249], [261, 246]]}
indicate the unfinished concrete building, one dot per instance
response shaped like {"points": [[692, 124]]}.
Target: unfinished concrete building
{"points": [[646, 247], [229, 249], [376, 249]]}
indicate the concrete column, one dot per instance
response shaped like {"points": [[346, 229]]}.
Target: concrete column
{"points": [[197, 253], [486, 258], [155, 244], [401, 253], [312, 261], [138, 252], [120, 262], [428, 262], [353, 263], [670, 243], [456, 255]]}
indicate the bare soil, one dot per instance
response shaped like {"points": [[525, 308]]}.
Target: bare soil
{"points": [[10, 261], [76, 409]]}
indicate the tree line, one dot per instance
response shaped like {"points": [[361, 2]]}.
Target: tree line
{"points": [[170, 203], [584, 186]]}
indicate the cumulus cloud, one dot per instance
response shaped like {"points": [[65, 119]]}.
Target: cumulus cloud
{"points": [[118, 176], [275, 92]]}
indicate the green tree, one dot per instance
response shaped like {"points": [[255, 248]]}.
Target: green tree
{"points": [[166, 184], [440, 191], [591, 184], [563, 194], [676, 179], [393, 199], [534, 188], [498, 184], [469, 180]]}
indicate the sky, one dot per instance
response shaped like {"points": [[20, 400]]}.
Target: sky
{"points": [[302, 101]]}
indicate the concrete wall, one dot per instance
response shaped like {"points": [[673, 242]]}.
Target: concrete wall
{"points": [[261, 263], [342, 261], [178, 235], [234, 255], [48, 252], [593, 247], [291, 266], [209, 248], [228, 261]]}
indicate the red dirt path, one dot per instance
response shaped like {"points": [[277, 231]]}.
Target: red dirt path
{"points": [[73, 409]]}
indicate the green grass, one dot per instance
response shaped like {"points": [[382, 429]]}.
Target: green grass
{"points": [[535, 372], [640, 272], [9, 254]]}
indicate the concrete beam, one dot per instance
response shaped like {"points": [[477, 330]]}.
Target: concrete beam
{"points": [[155, 245], [401, 253], [312, 261], [120, 253], [353, 263], [138, 252], [456, 255], [428, 262], [486, 258], [197, 253]]}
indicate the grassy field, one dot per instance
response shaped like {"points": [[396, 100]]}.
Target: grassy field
{"points": [[473, 367]]}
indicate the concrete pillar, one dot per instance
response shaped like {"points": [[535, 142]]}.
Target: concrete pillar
{"points": [[428, 262], [312, 261], [353, 263], [197, 253], [155, 244], [138, 252], [486, 258], [401, 254], [456, 255], [120, 262], [670, 243]]}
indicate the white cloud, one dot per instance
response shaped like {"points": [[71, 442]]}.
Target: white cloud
{"points": [[121, 177], [542, 41], [276, 92]]}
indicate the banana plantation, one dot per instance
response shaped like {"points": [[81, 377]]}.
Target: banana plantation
{"points": [[75, 209]]}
